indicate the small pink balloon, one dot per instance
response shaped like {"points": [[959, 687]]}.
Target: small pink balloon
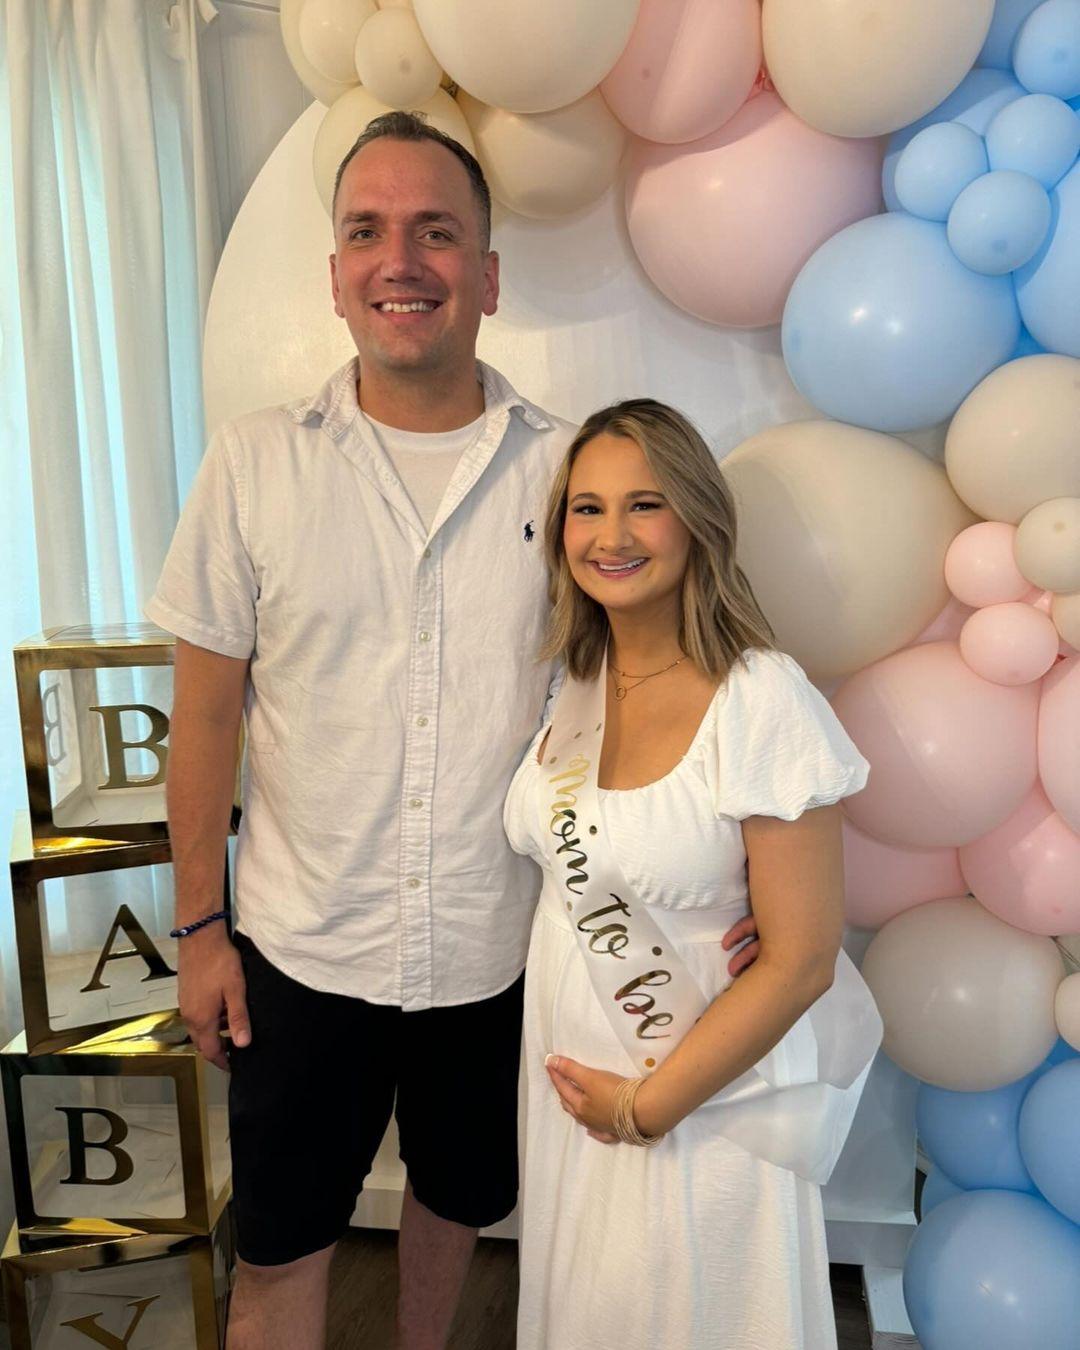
{"points": [[724, 224], [1009, 644], [1027, 871], [881, 880], [688, 67], [980, 568], [1059, 740], [946, 627], [951, 755]]}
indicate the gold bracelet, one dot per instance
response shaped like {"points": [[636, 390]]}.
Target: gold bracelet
{"points": [[622, 1115]]}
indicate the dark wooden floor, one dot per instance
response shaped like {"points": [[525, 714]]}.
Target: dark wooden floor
{"points": [[364, 1289]]}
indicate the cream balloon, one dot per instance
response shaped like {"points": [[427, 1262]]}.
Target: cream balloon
{"points": [[842, 533], [951, 755], [394, 63], [967, 1000], [865, 67], [881, 880], [1059, 740], [1012, 443], [1048, 544], [551, 164], [524, 56], [350, 115], [323, 88], [1067, 1010], [1065, 612], [328, 33]]}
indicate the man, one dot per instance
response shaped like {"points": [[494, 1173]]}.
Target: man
{"points": [[363, 571]]}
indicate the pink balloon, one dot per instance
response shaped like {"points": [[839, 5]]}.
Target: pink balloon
{"points": [[951, 755], [980, 568], [1027, 871], [1059, 740], [946, 627], [723, 225], [688, 67], [1009, 644], [881, 880]]}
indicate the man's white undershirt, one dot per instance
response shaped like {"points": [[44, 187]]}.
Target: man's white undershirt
{"points": [[425, 460]]}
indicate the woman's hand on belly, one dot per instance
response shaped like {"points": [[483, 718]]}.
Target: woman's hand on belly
{"points": [[586, 1094]]}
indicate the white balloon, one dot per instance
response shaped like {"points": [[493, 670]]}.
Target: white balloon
{"points": [[1047, 544], [547, 164], [394, 62], [523, 55], [350, 115], [864, 67], [328, 31], [325, 90], [1067, 1009]]}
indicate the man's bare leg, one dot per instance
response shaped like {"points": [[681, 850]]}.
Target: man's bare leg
{"points": [[433, 1256], [280, 1307]]}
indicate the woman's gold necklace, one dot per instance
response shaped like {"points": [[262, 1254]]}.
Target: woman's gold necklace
{"points": [[621, 690]]}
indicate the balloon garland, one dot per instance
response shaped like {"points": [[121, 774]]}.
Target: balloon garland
{"points": [[945, 600]]}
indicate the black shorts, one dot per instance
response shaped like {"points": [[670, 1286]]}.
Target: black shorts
{"points": [[310, 1099]]}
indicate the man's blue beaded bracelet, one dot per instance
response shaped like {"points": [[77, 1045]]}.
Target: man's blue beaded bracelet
{"points": [[189, 928]]}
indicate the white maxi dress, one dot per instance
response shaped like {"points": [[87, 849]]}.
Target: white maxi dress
{"points": [[715, 1239]]}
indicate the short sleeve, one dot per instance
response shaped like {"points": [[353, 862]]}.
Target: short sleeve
{"points": [[207, 590], [780, 749]]}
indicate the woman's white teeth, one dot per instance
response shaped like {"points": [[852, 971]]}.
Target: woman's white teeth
{"points": [[413, 307], [622, 567]]}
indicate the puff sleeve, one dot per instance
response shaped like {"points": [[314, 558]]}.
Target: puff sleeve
{"points": [[780, 748]]}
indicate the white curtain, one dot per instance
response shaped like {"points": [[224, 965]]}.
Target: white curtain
{"points": [[108, 244]]}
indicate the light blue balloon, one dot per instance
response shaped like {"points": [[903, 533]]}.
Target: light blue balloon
{"points": [[936, 166], [1061, 1051], [1038, 135], [884, 328], [1009, 16], [936, 1188], [973, 1135], [1050, 1136], [974, 101], [1046, 55], [1048, 287], [999, 222], [994, 1270], [1026, 346]]}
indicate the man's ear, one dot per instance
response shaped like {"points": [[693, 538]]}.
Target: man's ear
{"points": [[334, 287], [491, 282]]}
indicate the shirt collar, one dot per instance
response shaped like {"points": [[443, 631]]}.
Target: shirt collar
{"points": [[337, 407]]}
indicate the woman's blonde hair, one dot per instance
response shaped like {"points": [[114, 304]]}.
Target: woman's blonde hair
{"points": [[720, 617]]}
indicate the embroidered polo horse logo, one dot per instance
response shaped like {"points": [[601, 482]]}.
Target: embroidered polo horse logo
{"points": [[528, 533]]}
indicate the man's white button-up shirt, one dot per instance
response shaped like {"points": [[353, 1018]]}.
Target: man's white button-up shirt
{"points": [[394, 686]]}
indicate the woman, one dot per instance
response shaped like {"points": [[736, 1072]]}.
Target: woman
{"points": [[676, 1135]]}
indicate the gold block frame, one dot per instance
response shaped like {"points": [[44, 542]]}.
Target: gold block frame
{"points": [[30, 869], [75, 653], [165, 1108], [167, 1291]]}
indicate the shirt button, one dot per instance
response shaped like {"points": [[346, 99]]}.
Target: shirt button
{"points": [[413, 883], [415, 803], [421, 721], [424, 635], [427, 553]]}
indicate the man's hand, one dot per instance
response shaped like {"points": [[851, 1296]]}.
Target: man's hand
{"points": [[212, 993], [745, 931]]}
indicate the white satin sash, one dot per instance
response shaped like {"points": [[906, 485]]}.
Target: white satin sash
{"points": [[641, 982]]}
